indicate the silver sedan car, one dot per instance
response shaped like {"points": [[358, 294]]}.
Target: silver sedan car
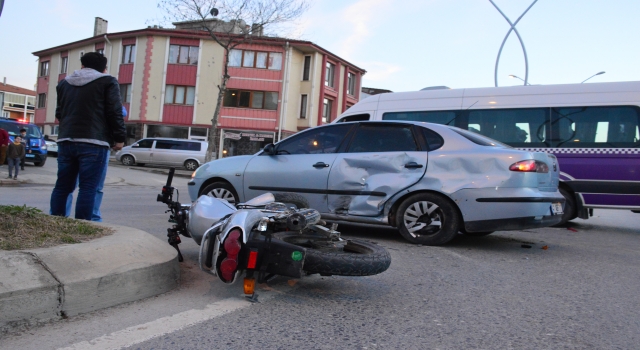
{"points": [[428, 180]]}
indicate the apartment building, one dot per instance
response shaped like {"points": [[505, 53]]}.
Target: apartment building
{"points": [[16, 102], [169, 77]]}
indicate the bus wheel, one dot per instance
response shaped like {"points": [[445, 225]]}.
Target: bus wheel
{"points": [[570, 211]]}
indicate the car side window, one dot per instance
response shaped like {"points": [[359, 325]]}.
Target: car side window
{"points": [[190, 146], [432, 138], [383, 138], [163, 144], [316, 141], [354, 118], [144, 143]]}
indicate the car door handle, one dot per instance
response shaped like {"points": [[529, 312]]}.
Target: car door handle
{"points": [[413, 165], [321, 165]]}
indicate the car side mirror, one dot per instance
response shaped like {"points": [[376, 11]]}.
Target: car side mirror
{"points": [[270, 149]]}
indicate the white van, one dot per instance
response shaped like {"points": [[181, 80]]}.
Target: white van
{"points": [[164, 151], [593, 129]]}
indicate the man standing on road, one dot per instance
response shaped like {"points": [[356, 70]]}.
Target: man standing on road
{"points": [[90, 113], [4, 144], [25, 142]]}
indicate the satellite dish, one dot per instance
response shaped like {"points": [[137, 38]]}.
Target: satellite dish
{"points": [[214, 12]]}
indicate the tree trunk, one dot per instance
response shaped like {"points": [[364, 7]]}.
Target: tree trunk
{"points": [[214, 133]]}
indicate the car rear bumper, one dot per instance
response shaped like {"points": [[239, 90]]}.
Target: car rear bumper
{"points": [[512, 223]]}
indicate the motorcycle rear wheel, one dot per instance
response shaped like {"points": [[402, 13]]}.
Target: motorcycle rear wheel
{"points": [[342, 258]]}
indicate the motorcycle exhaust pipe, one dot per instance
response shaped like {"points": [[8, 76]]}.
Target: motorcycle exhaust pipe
{"points": [[303, 219]]}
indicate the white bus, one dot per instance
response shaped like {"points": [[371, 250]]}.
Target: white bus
{"points": [[593, 129]]}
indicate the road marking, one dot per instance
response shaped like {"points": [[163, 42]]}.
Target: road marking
{"points": [[165, 325]]}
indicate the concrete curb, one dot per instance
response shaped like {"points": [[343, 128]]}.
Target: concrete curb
{"points": [[52, 283]]}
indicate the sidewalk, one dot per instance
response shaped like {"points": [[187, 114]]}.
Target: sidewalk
{"points": [[52, 283]]}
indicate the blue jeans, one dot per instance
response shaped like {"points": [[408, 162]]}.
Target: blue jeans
{"points": [[13, 163], [84, 163], [96, 215]]}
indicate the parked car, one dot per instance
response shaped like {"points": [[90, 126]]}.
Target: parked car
{"points": [[164, 151], [36, 147], [52, 147], [428, 180]]}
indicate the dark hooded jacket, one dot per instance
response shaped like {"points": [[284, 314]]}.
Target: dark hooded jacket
{"points": [[89, 108]]}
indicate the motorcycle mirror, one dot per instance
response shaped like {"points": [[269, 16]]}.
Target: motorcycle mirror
{"points": [[270, 149], [261, 200]]}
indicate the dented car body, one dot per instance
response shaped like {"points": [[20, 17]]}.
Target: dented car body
{"points": [[429, 180]]}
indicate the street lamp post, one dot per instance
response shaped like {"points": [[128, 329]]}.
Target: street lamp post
{"points": [[517, 77], [599, 73]]}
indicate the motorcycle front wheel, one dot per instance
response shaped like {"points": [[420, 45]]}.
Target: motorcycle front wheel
{"points": [[342, 258]]}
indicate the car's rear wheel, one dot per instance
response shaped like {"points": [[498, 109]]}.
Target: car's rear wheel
{"points": [[427, 218], [191, 164], [221, 190], [40, 163], [127, 160], [569, 211]]}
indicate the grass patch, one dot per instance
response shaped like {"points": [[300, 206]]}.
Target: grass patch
{"points": [[23, 227]]}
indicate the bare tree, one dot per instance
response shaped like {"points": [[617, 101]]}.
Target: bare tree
{"points": [[241, 22]]}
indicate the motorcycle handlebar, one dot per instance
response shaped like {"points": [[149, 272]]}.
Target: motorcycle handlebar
{"points": [[170, 178]]}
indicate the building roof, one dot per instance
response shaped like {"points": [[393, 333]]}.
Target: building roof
{"points": [[200, 34], [16, 90]]}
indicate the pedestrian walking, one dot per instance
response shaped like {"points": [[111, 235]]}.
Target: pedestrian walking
{"points": [[90, 113], [15, 152], [4, 145], [25, 142]]}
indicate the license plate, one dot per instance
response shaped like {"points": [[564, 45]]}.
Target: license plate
{"points": [[556, 208], [30, 155]]}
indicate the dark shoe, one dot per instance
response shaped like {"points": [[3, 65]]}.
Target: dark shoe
{"points": [[15, 177], [21, 168]]}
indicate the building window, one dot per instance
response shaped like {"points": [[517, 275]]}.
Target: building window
{"points": [[326, 110], [255, 59], [125, 93], [54, 130], [251, 99], [100, 51], [63, 65], [180, 95], [179, 54], [328, 79], [42, 100], [128, 53], [307, 68], [5, 114], [44, 69], [351, 84], [303, 107]]}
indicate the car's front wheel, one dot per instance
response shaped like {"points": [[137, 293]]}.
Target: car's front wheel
{"points": [[427, 218], [221, 190]]}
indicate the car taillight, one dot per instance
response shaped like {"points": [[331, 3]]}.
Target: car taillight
{"points": [[530, 166], [232, 247]]}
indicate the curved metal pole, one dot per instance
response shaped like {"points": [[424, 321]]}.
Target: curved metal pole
{"points": [[513, 28]]}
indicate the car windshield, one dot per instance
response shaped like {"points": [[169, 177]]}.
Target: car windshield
{"points": [[14, 129]]}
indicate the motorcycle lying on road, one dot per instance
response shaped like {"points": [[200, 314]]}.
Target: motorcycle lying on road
{"points": [[265, 238]]}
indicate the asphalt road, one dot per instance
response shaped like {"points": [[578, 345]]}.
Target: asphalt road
{"points": [[581, 292]]}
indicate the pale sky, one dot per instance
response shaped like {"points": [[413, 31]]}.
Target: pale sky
{"points": [[404, 45]]}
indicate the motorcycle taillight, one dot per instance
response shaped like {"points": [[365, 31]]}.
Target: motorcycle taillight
{"points": [[232, 247]]}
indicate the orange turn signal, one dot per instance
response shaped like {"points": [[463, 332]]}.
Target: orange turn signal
{"points": [[249, 285]]}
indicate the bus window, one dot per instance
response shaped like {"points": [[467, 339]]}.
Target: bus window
{"points": [[437, 117], [523, 127], [590, 127]]}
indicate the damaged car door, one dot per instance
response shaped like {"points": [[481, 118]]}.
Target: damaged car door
{"points": [[380, 161], [300, 164]]}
